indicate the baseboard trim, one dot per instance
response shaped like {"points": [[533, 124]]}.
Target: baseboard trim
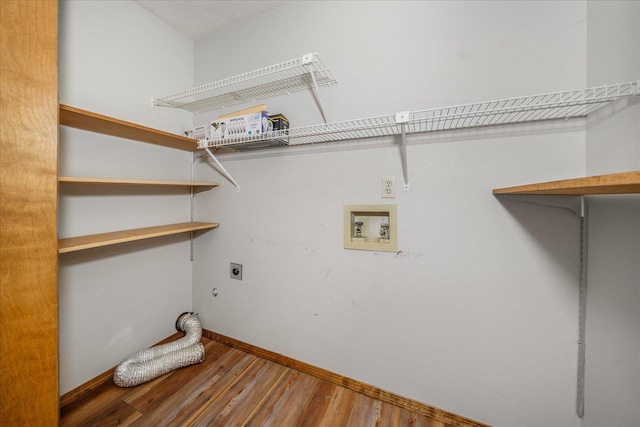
{"points": [[104, 377], [443, 416], [355, 385]]}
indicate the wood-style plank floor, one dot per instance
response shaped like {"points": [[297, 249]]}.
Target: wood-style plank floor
{"points": [[233, 388]]}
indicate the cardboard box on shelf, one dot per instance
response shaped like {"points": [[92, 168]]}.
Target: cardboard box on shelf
{"points": [[248, 110], [253, 124], [202, 132], [280, 122]]}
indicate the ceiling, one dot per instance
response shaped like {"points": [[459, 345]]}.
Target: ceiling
{"points": [[199, 18]]}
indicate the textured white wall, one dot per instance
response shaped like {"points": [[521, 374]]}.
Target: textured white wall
{"points": [[613, 145], [114, 56], [477, 312]]}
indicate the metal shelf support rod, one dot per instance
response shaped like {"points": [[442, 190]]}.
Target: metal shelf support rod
{"points": [[582, 322], [224, 171], [317, 92], [577, 205], [402, 118], [403, 142], [191, 207]]}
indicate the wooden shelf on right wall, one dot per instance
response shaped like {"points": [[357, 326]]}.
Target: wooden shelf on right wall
{"points": [[616, 183]]}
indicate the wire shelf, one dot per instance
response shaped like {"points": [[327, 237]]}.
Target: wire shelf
{"points": [[286, 77], [557, 105]]}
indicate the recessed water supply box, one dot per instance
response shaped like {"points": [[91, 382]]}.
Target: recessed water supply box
{"points": [[371, 227]]}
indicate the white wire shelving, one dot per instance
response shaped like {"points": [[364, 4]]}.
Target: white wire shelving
{"points": [[308, 72], [557, 105], [549, 106], [305, 72]]}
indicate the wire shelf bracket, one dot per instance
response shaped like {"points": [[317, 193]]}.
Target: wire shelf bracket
{"points": [[308, 60], [402, 118], [305, 72], [223, 170]]}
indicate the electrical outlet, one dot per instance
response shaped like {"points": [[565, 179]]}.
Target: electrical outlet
{"points": [[388, 187], [235, 271]]}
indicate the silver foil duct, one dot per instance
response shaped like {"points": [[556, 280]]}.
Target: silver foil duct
{"points": [[146, 365]]}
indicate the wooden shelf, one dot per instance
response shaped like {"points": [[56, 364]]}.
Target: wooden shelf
{"points": [[87, 120], [617, 183], [105, 239], [198, 185]]}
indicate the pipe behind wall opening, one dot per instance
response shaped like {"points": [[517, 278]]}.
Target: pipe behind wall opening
{"points": [[148, 364]]}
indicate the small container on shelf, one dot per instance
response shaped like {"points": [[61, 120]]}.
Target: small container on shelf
{"points": [[280, 122]]}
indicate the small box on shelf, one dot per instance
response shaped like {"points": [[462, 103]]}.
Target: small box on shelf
{"points": [[280, 122], [254, 124]]}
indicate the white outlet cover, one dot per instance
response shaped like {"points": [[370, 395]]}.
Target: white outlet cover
{"points": [[388, 187]]}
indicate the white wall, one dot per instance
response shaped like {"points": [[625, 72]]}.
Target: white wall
{"points": [[613, 145], [115, 56], [477, 313]]}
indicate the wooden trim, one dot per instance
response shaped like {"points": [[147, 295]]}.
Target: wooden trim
{"points": [[94, 122], [28, 218], [72, 395], [340, 380], [80, 243], [616, 183]]}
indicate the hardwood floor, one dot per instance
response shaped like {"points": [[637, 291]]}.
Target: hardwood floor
{"points": [[232, 388]]}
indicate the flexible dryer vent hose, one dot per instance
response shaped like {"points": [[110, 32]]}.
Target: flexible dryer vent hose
{"points": [[146, 365]]}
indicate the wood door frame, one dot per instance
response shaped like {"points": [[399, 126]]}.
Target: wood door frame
{"points": [[29, 392]]}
